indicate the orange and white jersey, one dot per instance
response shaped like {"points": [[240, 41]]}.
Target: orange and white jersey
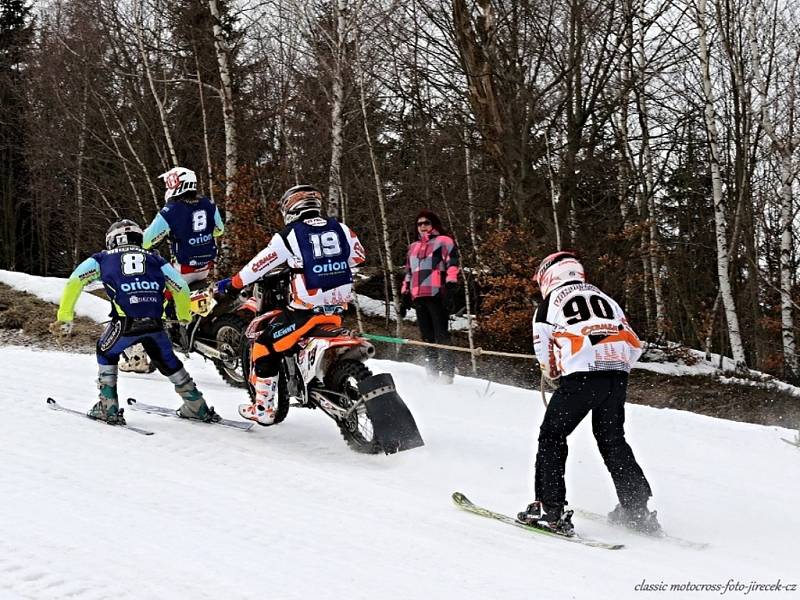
{"points": [[284, 248], [578, 328]]}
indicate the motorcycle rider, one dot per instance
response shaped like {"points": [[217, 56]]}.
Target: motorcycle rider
{"points": [[190, 222], [321, 253], [135, 281]]}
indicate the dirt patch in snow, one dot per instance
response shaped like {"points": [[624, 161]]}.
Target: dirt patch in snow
{"points": [[24, 321], [708, 396]]}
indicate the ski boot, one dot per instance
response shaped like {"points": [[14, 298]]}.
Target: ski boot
{"points": [[553, 518], [638, 518], [194, 405], [107, 407]]}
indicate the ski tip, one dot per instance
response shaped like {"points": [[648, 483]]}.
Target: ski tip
{"points": [[131, 401], [50, 400], [459, 498]]}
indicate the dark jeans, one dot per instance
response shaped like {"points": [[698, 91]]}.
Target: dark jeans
{"points": [[433, 323], [603, 393]]}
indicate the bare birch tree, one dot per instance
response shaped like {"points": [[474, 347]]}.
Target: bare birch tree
{"points": [[720, 216]]}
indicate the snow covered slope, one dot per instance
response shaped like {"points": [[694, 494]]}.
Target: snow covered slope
{"points": [[50, 290], [197, 511]]}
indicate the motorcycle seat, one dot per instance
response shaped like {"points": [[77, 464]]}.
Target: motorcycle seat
{"points": [[328, 331]]}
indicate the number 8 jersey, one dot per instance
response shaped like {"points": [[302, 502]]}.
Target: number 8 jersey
{"points": [[578, 328]]}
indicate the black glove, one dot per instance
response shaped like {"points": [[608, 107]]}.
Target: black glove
{"points": [[450, 296], [405, 304]]}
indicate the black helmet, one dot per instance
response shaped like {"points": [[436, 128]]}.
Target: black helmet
{"points": [[124, 233], [298, 200]]}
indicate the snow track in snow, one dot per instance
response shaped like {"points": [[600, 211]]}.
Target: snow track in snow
{"points": [[289, 512]]}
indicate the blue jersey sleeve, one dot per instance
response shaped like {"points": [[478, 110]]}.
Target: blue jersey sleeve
{"points": [[155, 232], [180, 291], [219, 226], [84, 273]]}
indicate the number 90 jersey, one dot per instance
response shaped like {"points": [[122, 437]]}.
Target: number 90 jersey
{"points": [[133, 280], [578, 328]]}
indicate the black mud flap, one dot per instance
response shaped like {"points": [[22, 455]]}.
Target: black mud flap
{"points": [[392, 423]]}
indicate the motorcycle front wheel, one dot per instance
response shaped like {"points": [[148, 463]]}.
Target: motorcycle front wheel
{"points": [[228, 332]]}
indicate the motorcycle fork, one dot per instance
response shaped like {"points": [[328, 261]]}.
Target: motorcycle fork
{"points": [[295, 386], [194, 326]]}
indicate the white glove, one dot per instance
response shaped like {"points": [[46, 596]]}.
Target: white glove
{"points": [[550, 377], [62, 328]]}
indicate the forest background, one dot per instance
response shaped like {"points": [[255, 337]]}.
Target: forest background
{"points": [[657, 139]]}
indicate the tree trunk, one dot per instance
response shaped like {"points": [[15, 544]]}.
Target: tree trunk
{"points": [[785, 150], [79, 178], [553, 189], [206, 145], [720, 219], [337, 119], [228, 111], [646, 177], [148, 71], [389, 275], [473, 236]]}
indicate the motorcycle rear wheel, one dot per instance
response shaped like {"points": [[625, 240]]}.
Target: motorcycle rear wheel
{"points": [[357, 430]]}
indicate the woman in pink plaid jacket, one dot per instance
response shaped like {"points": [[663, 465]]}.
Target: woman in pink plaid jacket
{"points": [[429, 285]]}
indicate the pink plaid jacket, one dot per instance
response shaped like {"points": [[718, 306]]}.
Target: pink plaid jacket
{"points": [[431, 261]]}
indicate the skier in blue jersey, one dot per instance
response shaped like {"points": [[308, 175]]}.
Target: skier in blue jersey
{"points": [[135, 281], [191, 224]]}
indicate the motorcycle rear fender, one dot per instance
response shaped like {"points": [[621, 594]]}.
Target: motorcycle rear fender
{"points": [[345, 349], [318, 353]]}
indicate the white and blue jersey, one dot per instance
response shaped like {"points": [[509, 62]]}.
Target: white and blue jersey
{"points": [[191, 227], [321, 253]]}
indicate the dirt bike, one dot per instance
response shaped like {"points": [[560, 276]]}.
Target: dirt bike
{"points": [[216, 331], [326, 370]]}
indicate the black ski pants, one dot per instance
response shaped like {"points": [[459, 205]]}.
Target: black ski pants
{"points": [[433, 322], [602, 393]]}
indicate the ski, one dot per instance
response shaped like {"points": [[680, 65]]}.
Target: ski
{"points": [[56, 406], [794, 443], [463, 502], [171, 412], [585, 514]]}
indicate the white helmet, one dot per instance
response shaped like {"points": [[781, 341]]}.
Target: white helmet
{"points": [[179, 181], [124, 233], [556, 270], [298, 200]]}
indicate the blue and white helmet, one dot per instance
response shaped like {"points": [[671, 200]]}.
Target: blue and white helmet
{"points": [[180, 183]]}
